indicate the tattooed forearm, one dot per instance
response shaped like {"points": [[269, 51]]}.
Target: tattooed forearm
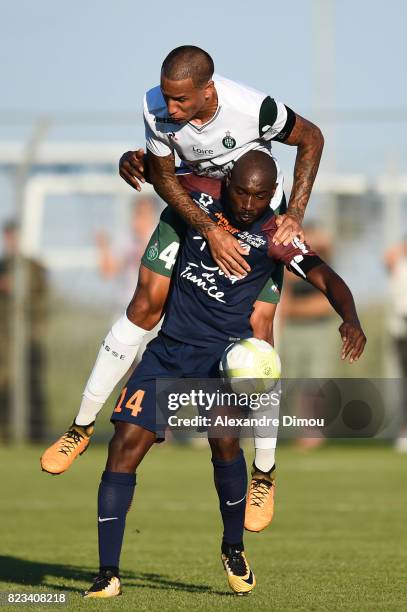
{"points": [[166, 184], [310, 142]]}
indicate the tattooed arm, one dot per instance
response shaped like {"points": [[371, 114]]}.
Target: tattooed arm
{"points": [[225, 249], [309, 141]]}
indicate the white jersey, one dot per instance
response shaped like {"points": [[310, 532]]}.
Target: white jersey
{"points": [[245, 119]]}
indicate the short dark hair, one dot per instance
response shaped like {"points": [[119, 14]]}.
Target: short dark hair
{"points": [[188, 62]]}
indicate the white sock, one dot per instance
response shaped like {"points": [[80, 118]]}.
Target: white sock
{"points": [[115, 358], [265, 458], [265, 436]]}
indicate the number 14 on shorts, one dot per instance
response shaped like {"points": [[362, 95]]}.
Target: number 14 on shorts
{"points": [[134, 403]]}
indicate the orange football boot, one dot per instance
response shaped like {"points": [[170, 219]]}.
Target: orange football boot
{"points": [[260, 500], [59, 457]]}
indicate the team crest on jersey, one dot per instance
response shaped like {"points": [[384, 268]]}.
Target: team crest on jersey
{"points": [[205, 199], [229, 142], [152, 252]]}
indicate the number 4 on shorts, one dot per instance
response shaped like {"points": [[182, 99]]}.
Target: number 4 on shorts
{"points": [[134, 403]]}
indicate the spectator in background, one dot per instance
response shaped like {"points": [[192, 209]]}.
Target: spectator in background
{"points": [[121, 262], [36, 299], [308, 328], [396, 263]]}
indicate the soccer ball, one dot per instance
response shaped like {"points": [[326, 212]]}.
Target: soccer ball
{"points": [[251, 366]]}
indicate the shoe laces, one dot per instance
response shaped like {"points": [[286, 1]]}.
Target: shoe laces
{"points": [[70, 441], [259, 491], [237, 564]]}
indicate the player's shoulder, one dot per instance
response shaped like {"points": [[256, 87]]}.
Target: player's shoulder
{"points": [[239, 95], [154, 103], [193, 183]]}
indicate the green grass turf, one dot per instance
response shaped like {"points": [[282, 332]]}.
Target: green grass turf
{"points": [[338, 540]]}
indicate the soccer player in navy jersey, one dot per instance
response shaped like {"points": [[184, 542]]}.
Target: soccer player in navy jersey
{"points": [[209, 122], [206, 309]]}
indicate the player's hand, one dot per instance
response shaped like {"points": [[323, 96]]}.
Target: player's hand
{"points": [[227, 253], [288, 228], [353, 341], [131, 168]]}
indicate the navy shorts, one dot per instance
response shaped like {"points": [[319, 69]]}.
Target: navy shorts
{"points": [[164, 357]]}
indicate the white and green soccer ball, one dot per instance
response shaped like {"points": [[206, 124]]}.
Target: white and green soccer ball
{"points": [[251, 366]]}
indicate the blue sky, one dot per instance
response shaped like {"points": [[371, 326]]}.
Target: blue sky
{"points": [[100, 56]]}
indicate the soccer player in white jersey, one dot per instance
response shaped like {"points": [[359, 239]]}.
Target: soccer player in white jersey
{"points": [[209, 122]]}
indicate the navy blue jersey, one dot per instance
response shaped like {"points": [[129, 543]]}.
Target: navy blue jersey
{"points": [[204, 306]]}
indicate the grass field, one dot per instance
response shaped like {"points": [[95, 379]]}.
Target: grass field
{"points": [[338, 541]]}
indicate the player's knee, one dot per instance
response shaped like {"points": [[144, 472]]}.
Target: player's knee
{"points": [[120, 456], [126, 449], [224, 449]]}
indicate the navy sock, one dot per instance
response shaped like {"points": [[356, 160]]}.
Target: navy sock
{"points": [[231, 485], [114, 499]]}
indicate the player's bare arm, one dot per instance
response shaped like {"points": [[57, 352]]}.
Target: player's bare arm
{"points": [[309, 141], [225, 249], [341, 299], [134, 166]]}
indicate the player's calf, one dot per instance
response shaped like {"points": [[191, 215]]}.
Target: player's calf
{"points": [[230, 477], [116, 490], [224, 449]]}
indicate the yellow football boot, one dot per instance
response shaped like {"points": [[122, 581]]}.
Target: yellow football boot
{"points": [[105, 585], [59, 457], [260, 500], [240, 577]]}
